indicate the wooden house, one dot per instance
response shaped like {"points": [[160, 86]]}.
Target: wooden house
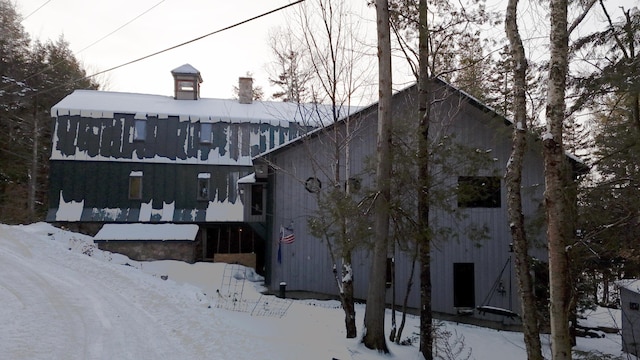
{"points": [[466, 272], [124, 158], [630, 308]]}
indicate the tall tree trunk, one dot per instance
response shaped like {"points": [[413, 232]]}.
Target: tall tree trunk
{"points": [[374, 313], [405, 302], [555, 181], [347, 296], [513, 179], [424, 236], [33, 173], [348, 303]]}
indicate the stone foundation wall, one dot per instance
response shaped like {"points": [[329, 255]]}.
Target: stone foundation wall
{"points": [[152, 250]]}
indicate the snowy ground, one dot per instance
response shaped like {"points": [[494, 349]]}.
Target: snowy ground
{"points": [[62, 298]]}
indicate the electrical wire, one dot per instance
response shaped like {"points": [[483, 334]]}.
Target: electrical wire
{"points": [[125, 24], [34, 11], [171, 47], [88, 46]]}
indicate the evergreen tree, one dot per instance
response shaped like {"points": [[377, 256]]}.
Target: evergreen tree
{"points": [[34, 78], [290, 72], [610, 90]]}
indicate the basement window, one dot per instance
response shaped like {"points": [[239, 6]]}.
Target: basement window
{"points": [[479, 192], [204, 186], [135, 185]]}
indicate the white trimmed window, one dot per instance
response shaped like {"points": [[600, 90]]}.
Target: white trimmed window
{"points": [[206, 133], [204, 186], [135, 185], [140, 130]]}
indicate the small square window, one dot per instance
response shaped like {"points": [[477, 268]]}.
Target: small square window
{"points": [[353, 184], [204, 190], [140, 130], [479, 192], [135, 185], [206, 132]]}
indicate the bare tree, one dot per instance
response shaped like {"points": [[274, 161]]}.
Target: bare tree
{"points": [[424, 236], [513, 180], [375, 311], [321, 62], [290, 71], [558, 204]]}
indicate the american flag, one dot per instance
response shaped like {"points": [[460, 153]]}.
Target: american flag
{"points": [[286, 235]]}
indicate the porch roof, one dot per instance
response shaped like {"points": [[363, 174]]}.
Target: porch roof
{"points": [[147, 232]]}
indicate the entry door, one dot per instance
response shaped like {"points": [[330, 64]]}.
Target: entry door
{"points": [[463, 285]]}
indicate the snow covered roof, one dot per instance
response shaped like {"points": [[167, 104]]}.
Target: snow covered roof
{"points": [[102, 104], [187, 69], [629, 284], [249, 179], [113, 232]]}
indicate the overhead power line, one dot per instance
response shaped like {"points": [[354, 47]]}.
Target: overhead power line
{"points": [[36, 10], [195, 39], [90, 45], [121, 26], [175, 46]]}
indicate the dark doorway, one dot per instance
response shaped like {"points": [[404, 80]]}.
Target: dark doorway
{"points": [[233, 243], [463, 285]]}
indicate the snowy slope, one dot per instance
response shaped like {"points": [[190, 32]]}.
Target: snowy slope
{"points": [[62, 298]]}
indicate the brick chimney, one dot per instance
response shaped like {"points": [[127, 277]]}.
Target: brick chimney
{"points": [[245, 90]]}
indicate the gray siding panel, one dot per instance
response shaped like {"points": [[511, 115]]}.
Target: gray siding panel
{"points": [[306, 264]]}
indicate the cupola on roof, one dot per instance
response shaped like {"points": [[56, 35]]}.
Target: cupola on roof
{"points": [[186, 82]]}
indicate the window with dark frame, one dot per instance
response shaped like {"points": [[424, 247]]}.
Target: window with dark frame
{"points": [[135, 185], [354, 184], [479, 192], [390, 272], [206, 132], [203, 186], [140, 130]]}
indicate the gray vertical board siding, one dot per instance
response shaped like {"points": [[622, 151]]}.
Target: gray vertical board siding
{"points": [[630, 321], [306, 264], [472, 126]]}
